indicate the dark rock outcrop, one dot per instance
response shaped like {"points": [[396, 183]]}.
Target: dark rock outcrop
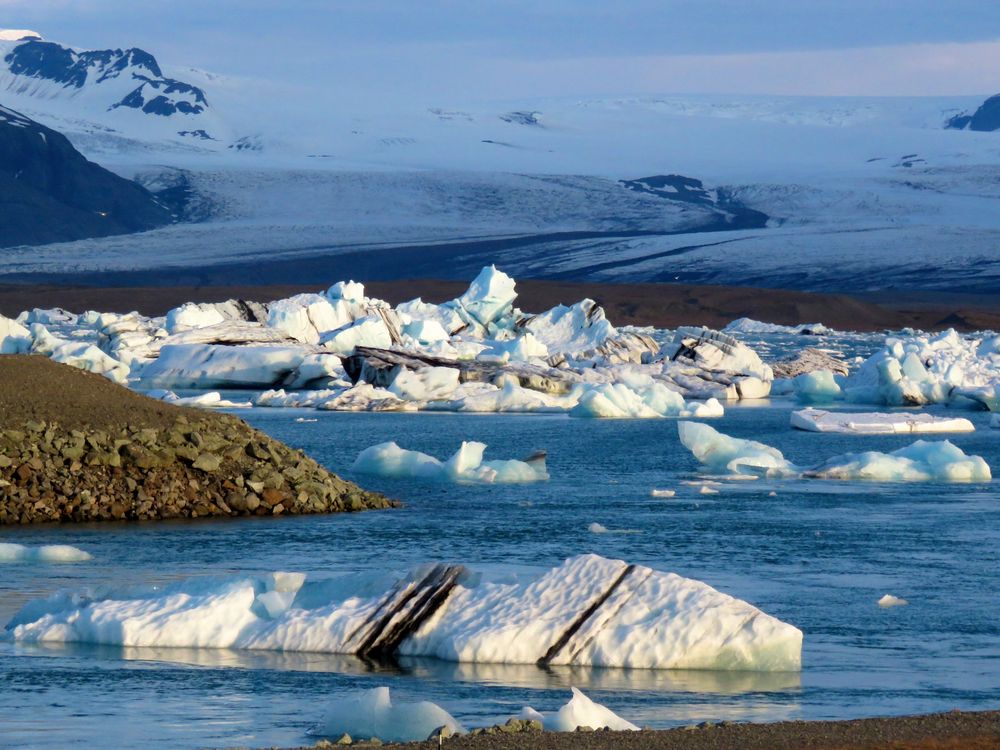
{"points": [[985, 119], [49, 192]]}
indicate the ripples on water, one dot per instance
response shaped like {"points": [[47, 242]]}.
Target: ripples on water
{"points": [[818, 555]]}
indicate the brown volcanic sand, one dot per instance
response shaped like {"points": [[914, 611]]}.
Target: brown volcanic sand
{"points": [[948, 731], [36, 388], [661, 305], [76, 447]]}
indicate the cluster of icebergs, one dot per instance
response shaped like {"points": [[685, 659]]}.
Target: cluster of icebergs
{"points": [[920, 462], [342, 350], [915, 370]]}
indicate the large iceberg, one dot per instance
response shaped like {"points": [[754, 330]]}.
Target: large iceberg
{"points": [[618, 400], [466, 465], [876, 423], [587, 611], [373, 713], [922, 461]]}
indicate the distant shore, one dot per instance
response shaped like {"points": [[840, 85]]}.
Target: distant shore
{"points": [[955, 730], [660, 305]]}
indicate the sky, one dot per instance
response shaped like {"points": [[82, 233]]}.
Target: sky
{"points": [[441, 51]]}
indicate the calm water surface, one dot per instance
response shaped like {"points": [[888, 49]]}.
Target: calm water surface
{"points": [[817, 554]]}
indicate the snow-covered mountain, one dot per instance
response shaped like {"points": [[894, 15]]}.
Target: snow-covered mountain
{"points": [[831, 193], [119, 96]]}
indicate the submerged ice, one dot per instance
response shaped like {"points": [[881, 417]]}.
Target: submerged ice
{"points": [[46, 553], [587, 611], [920, 462]]}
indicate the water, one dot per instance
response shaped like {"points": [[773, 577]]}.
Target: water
{"points": [[818, 555]]}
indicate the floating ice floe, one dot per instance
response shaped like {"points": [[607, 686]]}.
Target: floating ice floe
{"points": [[875, 423], [373, 713], [920, 462], [466, 465], [580, 711], [889, 600], [618, 400], [587, 611], [46, 553], [210, 400], [662, 493], [749, 325]]}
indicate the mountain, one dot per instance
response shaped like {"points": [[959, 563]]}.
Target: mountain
{"points": [[117, 94], [986, 118], [49, 192]]}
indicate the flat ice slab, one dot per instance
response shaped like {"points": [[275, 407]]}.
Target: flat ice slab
{"points": [[876, 423], [587, 611]]}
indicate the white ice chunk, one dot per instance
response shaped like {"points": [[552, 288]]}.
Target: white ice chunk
{"points": [[193, 315], [305, 317], [662, 493], [920, 462], [216, 366], [210, 400], [733, 455], [596, 528], [872, 423], [749, 325], [46, 553], [367, 331], [581, 711], [619, 401], [576, 329], [427, 384], [891, 601], [372, 713], [14, 337], [490, 296], [816, 386], [466, 465], [77, 354]]}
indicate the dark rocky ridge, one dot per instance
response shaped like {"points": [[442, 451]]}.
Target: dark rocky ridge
{"points": [[985, 119], [49, 192], [76, 447]]}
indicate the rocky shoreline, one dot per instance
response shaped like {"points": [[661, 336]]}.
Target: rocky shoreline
{"points": [[954, 730], [138, 459]]}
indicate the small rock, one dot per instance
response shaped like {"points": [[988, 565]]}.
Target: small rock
{"points": [[207, 462]]}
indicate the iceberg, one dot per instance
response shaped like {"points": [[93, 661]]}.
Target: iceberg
{"points": [[46, 553], [216, 366], [77, 354], [466, 465], [372, 713], [14, 337], [889, 600], [489, 297], [876, 423], [749, 325], [619, 401], [922, 461], [819, 385], [731, 455], [587, 611], [580, 711]]}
